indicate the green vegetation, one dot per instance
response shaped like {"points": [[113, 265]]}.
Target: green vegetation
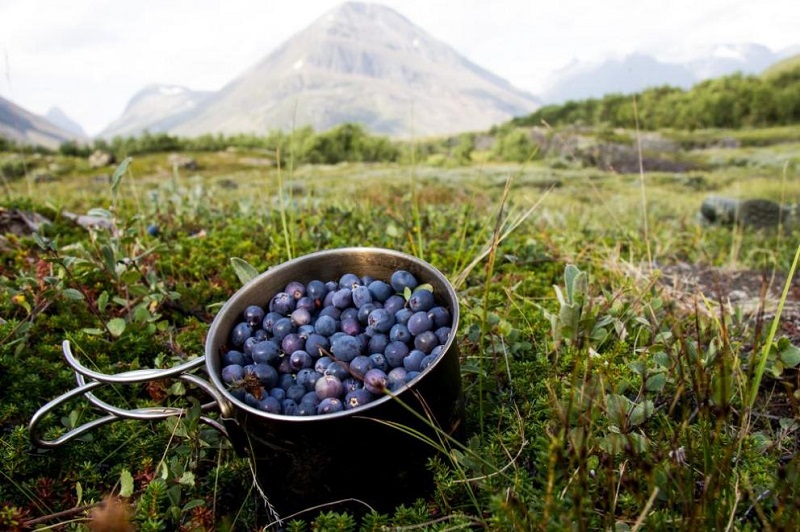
{"points": [[733, 101], [603, 389]]}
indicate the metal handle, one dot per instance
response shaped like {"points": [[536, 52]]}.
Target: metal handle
{"points": [[97, 380]]}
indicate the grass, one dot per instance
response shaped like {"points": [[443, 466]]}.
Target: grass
{"points": [[602, 391]]}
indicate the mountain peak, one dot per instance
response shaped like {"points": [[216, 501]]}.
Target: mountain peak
{"points": [[359, 62]]}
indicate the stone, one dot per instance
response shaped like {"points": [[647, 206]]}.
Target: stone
{"points": [[100, 158]]}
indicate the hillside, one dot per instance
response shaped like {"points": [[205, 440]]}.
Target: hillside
{"points": [[23, 127], [361, 63]]}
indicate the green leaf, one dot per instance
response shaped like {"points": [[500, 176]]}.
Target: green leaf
{"points": [[244, 271], [93, 331], [641, 412], [78, 493], [100, 213], [116, 327], [126, 483], [790, 356], [118, 173], [73, 294], [187, 479], [194, 503], [102, 301], [406, 293], [655, 383]]}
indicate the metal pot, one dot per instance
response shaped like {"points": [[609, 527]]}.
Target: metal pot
{"points": [[374, 455]]}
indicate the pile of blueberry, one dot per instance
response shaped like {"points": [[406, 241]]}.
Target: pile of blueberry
{"points": [[322, 347]]}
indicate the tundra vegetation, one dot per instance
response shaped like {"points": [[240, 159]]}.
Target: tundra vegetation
{"points": [[623, 365]]}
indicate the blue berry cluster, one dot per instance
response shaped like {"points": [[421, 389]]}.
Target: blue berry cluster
{"points": [[323, 347]]}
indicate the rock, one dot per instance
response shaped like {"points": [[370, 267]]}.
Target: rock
{"points": [[183, 162], [755, 213], [18, 222], [100, 158], [89, 222]]}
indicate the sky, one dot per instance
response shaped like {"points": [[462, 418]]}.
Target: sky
{"points": [[89, 57]]}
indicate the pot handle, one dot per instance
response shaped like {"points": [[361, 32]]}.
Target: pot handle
{"points": [[96, 380]]}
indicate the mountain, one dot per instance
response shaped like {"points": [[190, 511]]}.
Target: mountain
{"points": [[636, 72], [630, 74], [24, 127], [57, 117], [156, 108], [361, 63]]}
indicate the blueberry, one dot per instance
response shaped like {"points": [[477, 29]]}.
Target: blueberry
{"points": [[360, 365], [427, 361], [269, 321], [247, 346], [153, 230], [253, 315], [295, 289], [232, 357], [399, 332], [413, 360], [441, 317], [305, 409], [300, 316], [443, 334], [332, 286], [306, 303], [331, 311], [402, 315], [289, 407], [281, 328], [232, 374], [330, 405], [401, 279], [251, 400], [377, 343], [396, 378], [240, 333], [419, 322], [322, 364], [339, 369], [282, 303], [426, 341], [380, 290], [310, 398], [361, 296], [357, 398], [349, 280], [284, 365], [307, 377], [349, 313], [300, 359], [259, 335], [363, 312], [317, 345], [305, 330], [395, 352], [296, 392], [421, 299], [316, 290], [265, 352], [350, 326], [394, 303], [286, 380], [375, 381], [345, 348], [278, 393], [411, 375], [379, 360], [292, 342], [342, 298], [350, 384], [266, 374], [326, 325], [329, 386], [380, 320], [270, 405]]}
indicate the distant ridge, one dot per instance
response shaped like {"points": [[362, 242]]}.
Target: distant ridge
{"points": [[25, 127], [359, 62]]}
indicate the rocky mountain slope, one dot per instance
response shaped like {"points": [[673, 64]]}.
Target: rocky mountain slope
{"points": [[156, 108], [359, 62], [25, 127]]}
